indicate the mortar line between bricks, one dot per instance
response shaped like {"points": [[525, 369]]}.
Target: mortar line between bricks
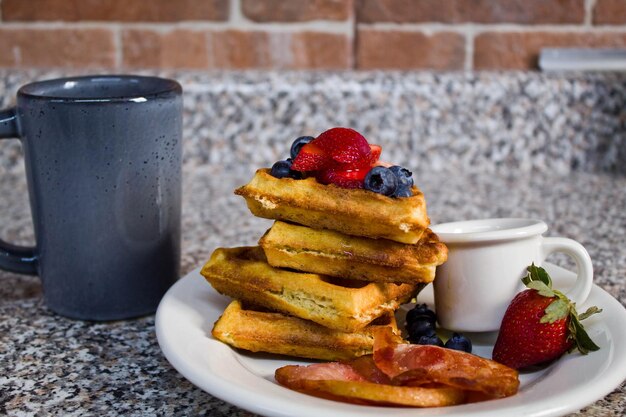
{"points": [[469, 50], [589, 7], [117, 45], [430, 28], [353, 36], [355, 46], [235, 16], [322, 26]]}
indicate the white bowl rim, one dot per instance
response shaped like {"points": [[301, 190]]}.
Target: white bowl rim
{"points": [[494, 229]]}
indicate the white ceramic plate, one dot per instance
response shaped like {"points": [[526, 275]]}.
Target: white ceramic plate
{"points": [[187, 312]]}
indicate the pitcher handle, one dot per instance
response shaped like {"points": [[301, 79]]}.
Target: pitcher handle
{"points": [[584, 279]]}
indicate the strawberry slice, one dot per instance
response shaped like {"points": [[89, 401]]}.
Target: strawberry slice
{"points": [[311, 158], [376, 151], [350, 178], [345, 146]]}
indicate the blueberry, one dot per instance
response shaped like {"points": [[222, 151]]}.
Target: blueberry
{"points": [[404, 175], [404, 178], [416, 331], [431, 339], [381, 180], [298, 144], [421, 312], [282, 169], [459, 342], [420, 328]]}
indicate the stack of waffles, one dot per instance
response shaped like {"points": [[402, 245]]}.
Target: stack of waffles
{"points": [[335, 266]]}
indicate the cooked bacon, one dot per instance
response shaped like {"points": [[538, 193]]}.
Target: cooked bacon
{"points": [[293, 375], [421, 364], [339, 381], [366, 367], [404, 375]]}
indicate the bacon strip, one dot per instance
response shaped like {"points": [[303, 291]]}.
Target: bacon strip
{"points": [[405, 375], [366, 367], [339, 381], [420, 364], [294, 375]]}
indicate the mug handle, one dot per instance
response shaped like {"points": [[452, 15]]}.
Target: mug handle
{"points": [[20, 259], [581, 289]]}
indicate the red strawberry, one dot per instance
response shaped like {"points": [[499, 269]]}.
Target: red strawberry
{"points": [[376, 151], [352, 178], [540, 325], [345, 146], [314, 157], [311, 158]]}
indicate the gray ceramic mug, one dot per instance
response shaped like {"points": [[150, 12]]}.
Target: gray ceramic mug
{"points": [[103, 166]]}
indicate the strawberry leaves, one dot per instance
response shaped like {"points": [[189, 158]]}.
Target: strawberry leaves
{"points": [[557, 310], [590, 311], [561, 308], [537, 274], [579, 335], [541, 288], [538, 279]]}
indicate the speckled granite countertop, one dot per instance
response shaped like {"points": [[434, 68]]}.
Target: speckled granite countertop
{"points": [[481, 146]]}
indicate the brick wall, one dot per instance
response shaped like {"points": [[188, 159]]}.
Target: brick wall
{"points": [[301, 34]]}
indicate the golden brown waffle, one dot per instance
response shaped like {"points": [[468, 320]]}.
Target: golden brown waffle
{"points": [[332, 253], [345, 305], [353, 212], [259, 330]]}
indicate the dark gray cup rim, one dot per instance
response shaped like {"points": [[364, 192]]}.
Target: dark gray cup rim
{"points": [[147, 88]]}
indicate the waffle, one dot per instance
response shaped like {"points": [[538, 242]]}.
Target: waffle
{"points": [[351, 211], [346, 305], [259, 330], [332, 253]]}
